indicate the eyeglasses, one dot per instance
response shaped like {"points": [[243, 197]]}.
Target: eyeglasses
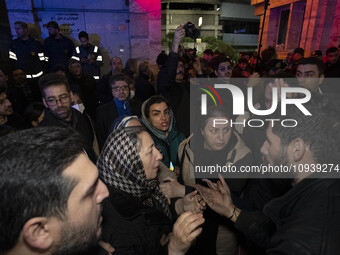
{"points": [[62, 99], [118, 89], [224, 68]]}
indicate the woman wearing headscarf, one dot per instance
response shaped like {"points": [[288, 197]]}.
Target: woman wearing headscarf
{"points": [[159, 121], [136, 216]]}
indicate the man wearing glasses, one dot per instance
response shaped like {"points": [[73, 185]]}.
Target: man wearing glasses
{"points": [[120, 106], [56, 94]]}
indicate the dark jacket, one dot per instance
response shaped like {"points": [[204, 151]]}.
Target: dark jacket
{"points": [[58, 51], [104, 92], [88, 52], [178, 94], [144, 89], [78, 123], [304, 221], [131, 227], [27, 55], [87, 85], [106, 114]]}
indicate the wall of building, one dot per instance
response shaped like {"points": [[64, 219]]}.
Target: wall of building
{"points": [[312, 24], [242, 39], [128, 29]]}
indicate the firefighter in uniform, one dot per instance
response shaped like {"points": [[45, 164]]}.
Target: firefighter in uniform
{"points": [[26, 53], [89, 56]]}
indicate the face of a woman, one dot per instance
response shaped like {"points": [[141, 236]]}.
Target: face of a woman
{"points": [[216, 135], [149, 155], [159, 116]]}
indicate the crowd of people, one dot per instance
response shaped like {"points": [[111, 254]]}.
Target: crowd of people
{"points": [[95, 164]]}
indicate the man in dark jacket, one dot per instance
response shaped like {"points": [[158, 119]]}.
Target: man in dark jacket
{"points": [[89, 56], [306, 219], [58, 48], [171, 85], [120, 106], [56, 97], [26, 53], [104, 93]]}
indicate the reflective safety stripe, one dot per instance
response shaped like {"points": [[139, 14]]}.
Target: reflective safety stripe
{"points": [[76, 58], [77, 50], [42, 58], [95, 49], [96, 77], [30, 76], [99, 58], [46, 59], [37, 75], [12, 55], [40, 54]]}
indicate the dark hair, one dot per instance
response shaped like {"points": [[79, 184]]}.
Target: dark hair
{"points": [[52, 79], [313, 61], [133, 133], [33, 112], [208, 52], [218, 60], [83, 34], [214, 112], [119, 77], [331, 50], [157, 99], [242, 60], [161, 58], [320, 131], [268, 54], [22, 24], [32, 184], [3, 90]]}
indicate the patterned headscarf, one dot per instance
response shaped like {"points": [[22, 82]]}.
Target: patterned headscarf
{"points": [[121, 167]]}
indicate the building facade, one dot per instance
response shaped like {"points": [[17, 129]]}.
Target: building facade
{"points": [[309, 24]]}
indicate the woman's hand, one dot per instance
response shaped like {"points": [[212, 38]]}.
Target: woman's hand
{"points": [[107, 247], [171, 188]]}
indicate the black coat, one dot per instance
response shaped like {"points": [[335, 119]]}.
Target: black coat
{"points": [[106, 114], [131, 227], [78, 123]]}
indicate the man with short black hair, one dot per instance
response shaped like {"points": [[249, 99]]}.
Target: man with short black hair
{"points": [[119, 106], [89, 56], [310, 74], [56, 97], [51, 195], [306, 219], [332, 69]]}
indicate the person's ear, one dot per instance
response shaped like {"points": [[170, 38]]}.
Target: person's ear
{"points": [[299, 149], [37, 233], [321, 78], [44, 101]]}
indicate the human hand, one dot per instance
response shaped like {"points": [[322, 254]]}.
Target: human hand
{"points": [[178, 35], [106, 246], [254, 79], [193, 202], [217, 196], [185, 231], [171, 188]]}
